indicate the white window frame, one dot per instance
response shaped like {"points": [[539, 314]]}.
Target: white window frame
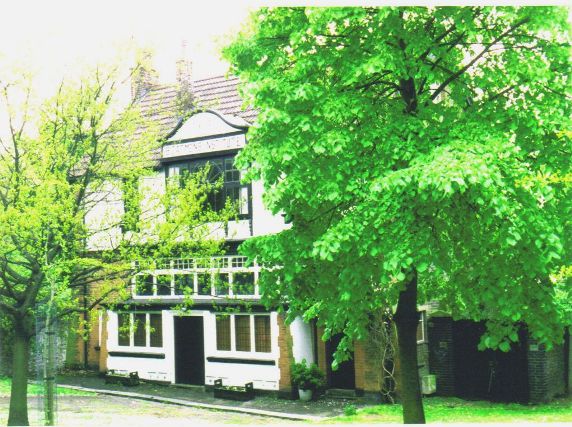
{"points": [[231, 272], [132, 346], [252, 351]]}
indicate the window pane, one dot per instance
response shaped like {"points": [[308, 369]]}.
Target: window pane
{"points": [[215, 169], [156, 325], [242, 332], [184, 283], [231, 174], [243, 283], [243, 201], [262, 334], [221, 283], [123, 329], [164, 285], [144, 284], [139, 327], [204, 283], [223, 333], [216, 199]]}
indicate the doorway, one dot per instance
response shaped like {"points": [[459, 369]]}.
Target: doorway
{"points": [[189, 350], [344, 376], [488, 374]]}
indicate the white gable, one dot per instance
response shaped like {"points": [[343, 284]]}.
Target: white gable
{"points": [[208, 123]]}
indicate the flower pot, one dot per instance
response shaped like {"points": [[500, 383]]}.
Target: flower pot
{"points": [[305, 395]]}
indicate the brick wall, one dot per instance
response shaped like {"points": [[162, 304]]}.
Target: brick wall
{"points": [[555, 371], [286, 358], [367, 373], [538, 387], [546, 372], [91, 336], [440, 354], [103, 350]]}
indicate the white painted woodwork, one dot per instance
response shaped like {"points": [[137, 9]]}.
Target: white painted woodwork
{"points": [[264, 377], [208, 124]]}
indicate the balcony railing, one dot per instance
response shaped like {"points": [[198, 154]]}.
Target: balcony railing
{"points": [[222, 276]]}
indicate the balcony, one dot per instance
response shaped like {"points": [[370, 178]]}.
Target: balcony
{"points": [[198, 278]]}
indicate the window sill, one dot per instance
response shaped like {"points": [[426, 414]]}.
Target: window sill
{"points": [[241, 361], [138, 355]]}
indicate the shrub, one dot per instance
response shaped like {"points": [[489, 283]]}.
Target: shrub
{"points": [[307, 377], [350, 410]]}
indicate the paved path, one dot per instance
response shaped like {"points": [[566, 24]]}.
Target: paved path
{"points": [[197, 397], [106, 410]]}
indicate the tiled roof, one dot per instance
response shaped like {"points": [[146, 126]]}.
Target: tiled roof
{"points": [[216, 93]]}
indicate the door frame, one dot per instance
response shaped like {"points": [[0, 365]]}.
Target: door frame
{"points": [[190, 314]]}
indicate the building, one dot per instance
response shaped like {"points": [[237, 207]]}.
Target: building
{"points": [[150, 333]]}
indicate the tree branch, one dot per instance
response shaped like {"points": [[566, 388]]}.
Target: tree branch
{"points": [[476, 58]]}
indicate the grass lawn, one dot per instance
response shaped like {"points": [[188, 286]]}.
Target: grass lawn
{"points": [[34, 389], [450, 410]]}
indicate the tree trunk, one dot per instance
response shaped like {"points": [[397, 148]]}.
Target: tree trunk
{"points": [[18, 415], [406, 320]]}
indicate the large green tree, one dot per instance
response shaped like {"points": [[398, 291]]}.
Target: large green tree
{"points": [[410, 150], [82, 151]]}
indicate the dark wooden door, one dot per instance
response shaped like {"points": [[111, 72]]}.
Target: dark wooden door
{"points": [[344, 376], [488, 374], [189, 350]]}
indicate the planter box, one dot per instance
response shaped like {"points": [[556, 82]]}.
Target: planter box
{"points": [[131, 379], [233, 392]]}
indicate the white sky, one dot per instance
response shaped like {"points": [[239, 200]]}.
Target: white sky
{"points": [[56, 37]]}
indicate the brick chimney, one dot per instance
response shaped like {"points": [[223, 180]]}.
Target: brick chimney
{"points": [[143, 76], [183, 70], [184, 83]]}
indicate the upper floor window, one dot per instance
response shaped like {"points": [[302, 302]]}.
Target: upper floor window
{"points": [[220, 167]]}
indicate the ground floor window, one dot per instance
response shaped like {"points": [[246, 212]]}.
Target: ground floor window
{"points": [[242, 332], [262, 334], [249, 332], [139, 330], [223, 333]]}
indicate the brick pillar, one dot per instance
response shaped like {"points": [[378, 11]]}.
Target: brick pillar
{"points": [[360, 364], [286, 358], [537, 366], [546, 371], [103, 347], [441, 354], [368, 372]]}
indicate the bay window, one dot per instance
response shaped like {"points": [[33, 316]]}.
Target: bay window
{"points": [[219, 168]]}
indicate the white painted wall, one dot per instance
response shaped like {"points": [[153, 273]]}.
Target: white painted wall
{"points": [[264, 377], [263, 222], [302, 341], [147, 368], [104, 212]]}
